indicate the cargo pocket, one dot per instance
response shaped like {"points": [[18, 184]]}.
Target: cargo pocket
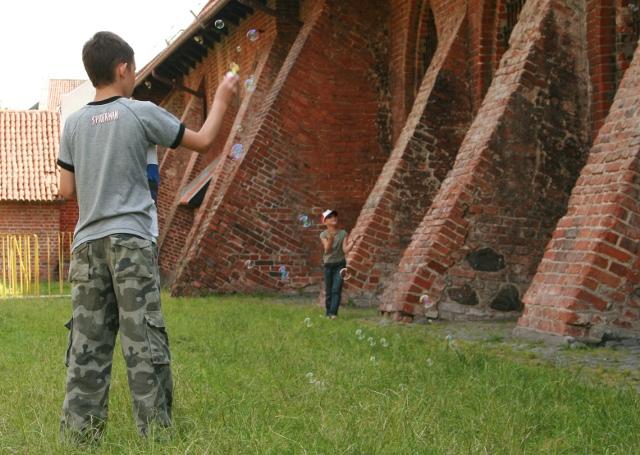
{"points": [[134, 257], [67, 354], [157, 338], [79, 266]]}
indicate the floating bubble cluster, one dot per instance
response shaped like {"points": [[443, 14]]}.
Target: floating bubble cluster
{"points": [[253, 35], [236, 151], [219, 24], [360, 334], [307, 322], [249, 264], [384, 343], [372, 341]]}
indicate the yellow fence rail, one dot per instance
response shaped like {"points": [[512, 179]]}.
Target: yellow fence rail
{"points": [[34, 264]]}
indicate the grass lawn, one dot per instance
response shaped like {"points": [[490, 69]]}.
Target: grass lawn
{"points": [[252, 378]]}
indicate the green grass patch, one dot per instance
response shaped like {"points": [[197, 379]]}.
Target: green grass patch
{"points": [[241, 369]]}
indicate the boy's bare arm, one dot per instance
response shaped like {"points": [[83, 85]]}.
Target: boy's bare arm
{"points": [[67, 187], [348, 242], [202, 140]]}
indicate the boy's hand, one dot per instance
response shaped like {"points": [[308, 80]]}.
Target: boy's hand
{"points": [[227, 89]]}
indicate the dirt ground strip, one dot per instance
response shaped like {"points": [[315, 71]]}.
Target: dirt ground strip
{"points": [[614, 362]]}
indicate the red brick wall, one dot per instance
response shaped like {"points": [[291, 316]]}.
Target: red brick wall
{"points": [[423, 155], [478, 247], [41, 219], [311, 149], [457, 186], [253, 58], [68, 215], [179, 164], [23, 217], [611, 41], [588, 284]]}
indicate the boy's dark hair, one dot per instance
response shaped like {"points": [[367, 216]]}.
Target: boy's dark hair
{"points": [[101, 54]]}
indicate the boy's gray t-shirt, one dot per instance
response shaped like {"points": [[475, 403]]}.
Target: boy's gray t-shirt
{"points": [[337, 254], [105, 144]]}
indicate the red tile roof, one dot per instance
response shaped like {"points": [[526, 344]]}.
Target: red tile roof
{"points": [[29, 142], [57, 88]]}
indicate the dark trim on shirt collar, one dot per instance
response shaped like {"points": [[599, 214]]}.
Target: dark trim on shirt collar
{"points": [[105, 101]]}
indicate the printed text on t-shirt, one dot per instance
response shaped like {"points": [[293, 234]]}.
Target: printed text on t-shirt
{"points": [[104, 118]]}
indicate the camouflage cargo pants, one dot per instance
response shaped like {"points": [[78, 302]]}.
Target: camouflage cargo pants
{"points": [[115, 287]]}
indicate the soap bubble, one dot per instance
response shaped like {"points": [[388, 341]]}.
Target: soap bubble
{"points": [[429, 362], [236, 151], [250, 84], [219, 24], [253, 35], [424, 300], [345, 274], [284, 274], [373, 360], [238, 49], [249, 264], [360, 334], [310, 377], [305, 220], [307, 322], [450, 341], [384, 343], [372, 341]]}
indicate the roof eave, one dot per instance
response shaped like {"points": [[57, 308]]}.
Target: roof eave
{"points": [[207, 13]]}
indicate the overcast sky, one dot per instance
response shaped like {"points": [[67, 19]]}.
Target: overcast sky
{"points": [[42, 40]]}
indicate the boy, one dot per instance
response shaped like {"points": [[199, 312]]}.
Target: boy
{"points": [[114, 263], [336, 245]]}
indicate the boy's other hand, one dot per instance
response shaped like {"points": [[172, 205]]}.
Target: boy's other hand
{"points": [[227, 89]]}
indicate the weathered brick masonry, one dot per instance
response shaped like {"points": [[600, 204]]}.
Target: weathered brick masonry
{"points": [[451, 136], [588, 284], [478, 247]]}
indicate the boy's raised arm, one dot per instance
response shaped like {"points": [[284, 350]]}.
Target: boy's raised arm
{"points": [[202, 140]]}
